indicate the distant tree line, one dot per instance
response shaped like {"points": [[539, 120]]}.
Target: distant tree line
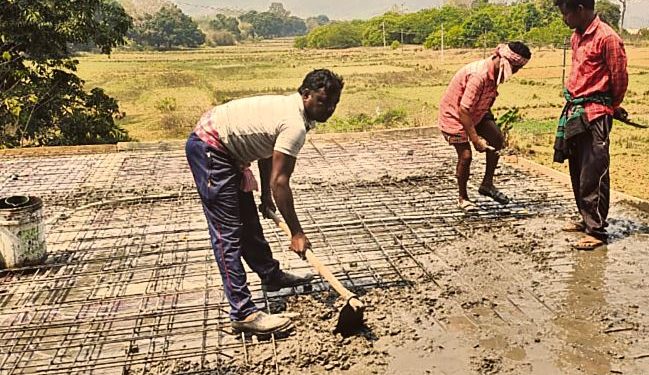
{"points": [[479, 25], [170, 28]]}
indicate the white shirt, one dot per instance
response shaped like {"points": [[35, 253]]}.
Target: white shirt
{"points": [[252, 128]]}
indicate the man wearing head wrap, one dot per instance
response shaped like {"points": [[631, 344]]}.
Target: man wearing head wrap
{"points": [[594, 92], [465, 115]]}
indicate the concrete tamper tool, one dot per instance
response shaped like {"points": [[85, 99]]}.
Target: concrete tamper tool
{"points": [[623, 116], [350, 318]]}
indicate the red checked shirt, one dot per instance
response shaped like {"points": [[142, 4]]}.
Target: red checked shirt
{"points": [[598, 66], [474, 88]]}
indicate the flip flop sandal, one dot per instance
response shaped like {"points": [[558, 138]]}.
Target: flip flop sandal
{"points": [[494, 194], [588, 243], [574, 226], [467, 206]]}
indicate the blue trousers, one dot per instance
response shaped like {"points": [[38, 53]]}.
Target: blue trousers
{"points": [[233, 223]]}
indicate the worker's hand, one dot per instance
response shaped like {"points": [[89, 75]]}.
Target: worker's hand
{"points": [[266, 206], [620, 114], [481, 145], [300, 244]]}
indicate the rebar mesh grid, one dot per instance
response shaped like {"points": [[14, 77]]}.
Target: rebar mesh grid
{"points": [[130, 282]]}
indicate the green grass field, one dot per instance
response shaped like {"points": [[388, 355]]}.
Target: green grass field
{"points": [[164, 93]]}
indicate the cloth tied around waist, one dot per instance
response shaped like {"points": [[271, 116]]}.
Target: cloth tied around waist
{"points": [[248, 180], [573, 121]]}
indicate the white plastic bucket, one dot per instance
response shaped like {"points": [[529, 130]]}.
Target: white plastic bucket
{"points": [[22, 232]]}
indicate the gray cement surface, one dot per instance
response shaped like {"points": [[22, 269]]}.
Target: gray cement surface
{"points": [[130, 285]]}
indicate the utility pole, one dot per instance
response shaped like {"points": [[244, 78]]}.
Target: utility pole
{"points": [[442, 43], [623, 4], [384, 42], [563, 73], [484, 44]]}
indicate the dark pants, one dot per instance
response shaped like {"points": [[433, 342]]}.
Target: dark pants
{"points": [[233, 223], [488, 130], [589, 162]]}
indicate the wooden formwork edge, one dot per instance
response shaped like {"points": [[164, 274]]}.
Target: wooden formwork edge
{"points": [[166, 145], [563, 178], [423, 131], [178, 144], [57, 150]]}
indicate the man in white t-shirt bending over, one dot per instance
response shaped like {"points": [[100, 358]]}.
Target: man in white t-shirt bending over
{"points": [[271, 130]]}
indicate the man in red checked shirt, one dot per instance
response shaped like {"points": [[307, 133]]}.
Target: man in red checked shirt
{"points": [[465, 115], [594, 91]]}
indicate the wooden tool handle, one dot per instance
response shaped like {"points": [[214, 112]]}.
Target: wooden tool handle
{"points": [[280, 223], [320, 268], [634, 124], [327, 275]]}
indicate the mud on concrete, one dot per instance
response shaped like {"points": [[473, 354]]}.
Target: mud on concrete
{"points": [[131, 284], [514, 299]]}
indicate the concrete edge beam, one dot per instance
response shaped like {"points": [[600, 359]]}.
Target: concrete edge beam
{"points": [[178, 144], [27, 152], [564, 179]]}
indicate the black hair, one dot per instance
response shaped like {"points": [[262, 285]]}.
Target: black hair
{"points": [[320, 78], [520, 49], [574, 4]]}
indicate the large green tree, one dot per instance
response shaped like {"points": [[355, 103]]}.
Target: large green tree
{"points": [[524, 16], [264, 24], [477, 25], [382, 28], [313, 22], [222, 22], [42, 101], [276, 22], [608, 12], [555, 34], [278, 10], [334, 35], [168, 28]]}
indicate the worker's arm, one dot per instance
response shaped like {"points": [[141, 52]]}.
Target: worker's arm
{"points": [[280, 176], [479, 143], [616, 61], [471, 97], [265, 169]]}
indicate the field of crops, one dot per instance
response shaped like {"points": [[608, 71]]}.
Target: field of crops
{"points": [[164, 93]]}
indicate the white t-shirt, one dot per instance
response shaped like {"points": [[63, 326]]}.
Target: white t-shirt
{"points": [[252, 128]]}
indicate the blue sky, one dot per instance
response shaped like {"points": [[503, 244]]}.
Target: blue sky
{"points": [[637, 13]]}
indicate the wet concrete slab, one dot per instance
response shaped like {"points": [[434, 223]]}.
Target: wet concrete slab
{"points": [[130, 284]]}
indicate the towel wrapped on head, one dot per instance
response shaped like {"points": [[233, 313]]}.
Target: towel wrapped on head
{"points": [[508, 61]]}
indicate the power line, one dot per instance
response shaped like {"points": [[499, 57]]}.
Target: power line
{"points": [[205, 6]]}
